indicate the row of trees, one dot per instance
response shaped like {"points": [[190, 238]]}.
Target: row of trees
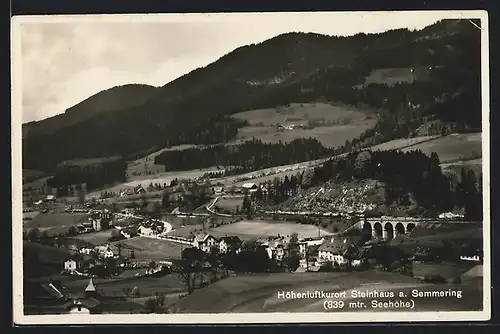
{"points": [[253, 154]]}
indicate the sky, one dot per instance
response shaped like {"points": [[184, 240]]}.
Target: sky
{"points": [[65, 60]]}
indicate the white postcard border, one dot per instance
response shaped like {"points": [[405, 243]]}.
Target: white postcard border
{"points": [[233, 318]]}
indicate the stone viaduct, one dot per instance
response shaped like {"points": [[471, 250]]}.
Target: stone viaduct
{"points": [[389, 227]]}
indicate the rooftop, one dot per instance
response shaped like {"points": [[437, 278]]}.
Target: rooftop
{"points": [[337, 245], [91, 286]]}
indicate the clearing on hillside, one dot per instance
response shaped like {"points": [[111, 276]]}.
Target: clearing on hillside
{"points": [[257, 229], [452, 147], [331, 125], [392, 76]]}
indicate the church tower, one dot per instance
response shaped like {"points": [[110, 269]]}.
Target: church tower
{"points": [[90, 290]]}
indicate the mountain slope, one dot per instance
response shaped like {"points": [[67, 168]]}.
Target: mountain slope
{"points": [[115, 98], [293, 67]]}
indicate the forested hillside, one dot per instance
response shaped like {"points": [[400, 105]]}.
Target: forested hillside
{"points": [[112, 99], [289, 68]]}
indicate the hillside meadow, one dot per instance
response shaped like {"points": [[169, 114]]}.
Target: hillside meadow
{"points": [[332, 125], [452, 147]]}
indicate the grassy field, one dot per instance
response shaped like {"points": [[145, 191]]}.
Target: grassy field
{"points": [[147, 286], [257, 229], [178, 222], [259, 293], [333, 125], [151, 249], [452, 147], [53, 220], [95, 238], [392, 76], [185, 232], [229, 204]]}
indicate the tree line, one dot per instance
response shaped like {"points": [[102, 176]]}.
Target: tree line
{"points": [[252, 155]]}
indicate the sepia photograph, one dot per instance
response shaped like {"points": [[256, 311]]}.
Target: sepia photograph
{"points": [[307, 167]]}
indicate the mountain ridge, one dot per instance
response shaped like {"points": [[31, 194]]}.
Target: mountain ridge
{"points": [[114, 98], [227, 86]]}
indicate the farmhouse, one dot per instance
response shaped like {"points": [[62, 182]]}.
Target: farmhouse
{"points": [[70, 265], [204, 241], [217, 190], [249, 186], [306, 243], [275, 247], [227, 243], [334, 249], [104, 251]]}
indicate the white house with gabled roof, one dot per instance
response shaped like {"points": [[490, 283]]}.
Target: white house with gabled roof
{"points": [[204, 241]]}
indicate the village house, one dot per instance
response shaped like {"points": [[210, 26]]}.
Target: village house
{"points": [[334, 249], [306, 243], [133, 191], [250, 187], [100, 218], [204, 241], [104, 251], [279, 252], [217, 190], [70, 265], [229, 242], [275, 247]]}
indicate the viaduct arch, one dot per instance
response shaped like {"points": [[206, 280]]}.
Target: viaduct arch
{"points": [[387, 229]]}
